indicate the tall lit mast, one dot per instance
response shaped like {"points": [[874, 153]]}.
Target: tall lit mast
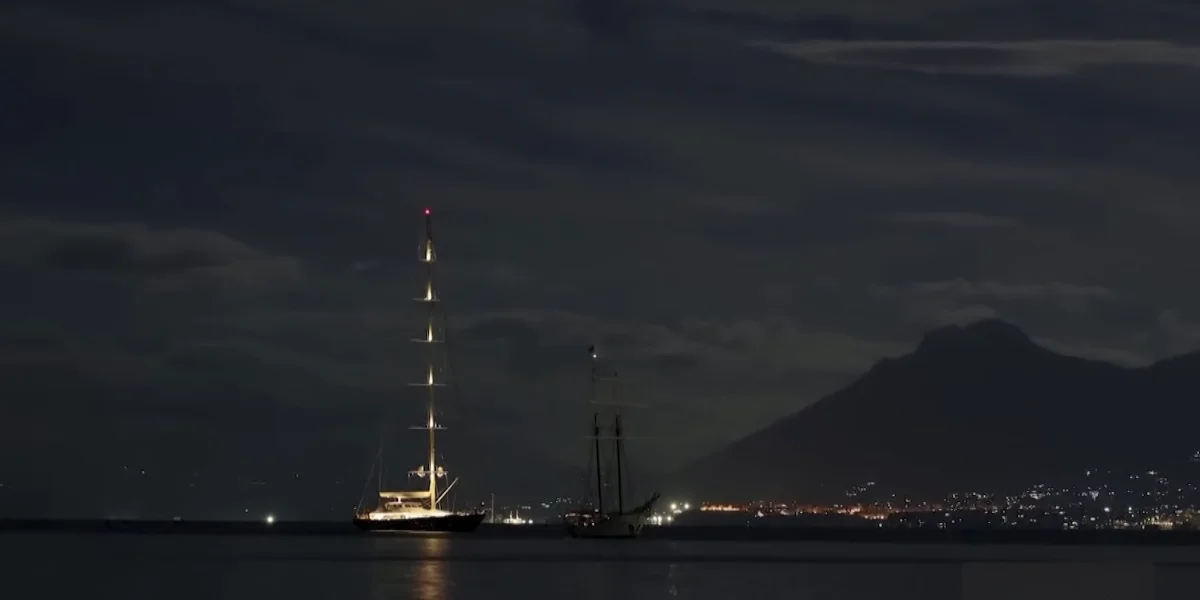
{"points": [[427, 255]]}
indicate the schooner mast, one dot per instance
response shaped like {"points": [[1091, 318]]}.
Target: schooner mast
{"points": [[603, 521], [617, 436]]}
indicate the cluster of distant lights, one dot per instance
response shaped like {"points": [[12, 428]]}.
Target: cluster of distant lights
{"points": [[1036, 493], [1042, 503], [1164, 515], [676, 508]]}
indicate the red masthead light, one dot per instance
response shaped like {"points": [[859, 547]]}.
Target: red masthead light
{"points": [[427, 211]]}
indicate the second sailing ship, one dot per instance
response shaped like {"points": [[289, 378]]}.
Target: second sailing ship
{"points": [[609, 519]]}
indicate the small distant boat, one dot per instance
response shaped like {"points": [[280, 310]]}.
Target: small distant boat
{"points": [[419, 510], [514, 518], [596, 519]]}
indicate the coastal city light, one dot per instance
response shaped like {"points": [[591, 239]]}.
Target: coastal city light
{"points": [[1104, 500], [1096, 499], [721, 508]]}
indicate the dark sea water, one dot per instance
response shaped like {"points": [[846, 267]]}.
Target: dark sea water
{"points": [[183, 567]]}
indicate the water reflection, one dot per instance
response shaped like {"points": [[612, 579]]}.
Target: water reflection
{"points": [[418, 569], [429, 582]]}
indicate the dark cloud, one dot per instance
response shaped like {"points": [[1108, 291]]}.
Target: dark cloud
{"points": [[1035, 58], [208, 210], [1181, 334], [165, 258], [962, 220], [1070, 297], [609, 18]]}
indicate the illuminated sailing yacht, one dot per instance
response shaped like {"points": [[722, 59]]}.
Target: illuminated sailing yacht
{"points": [[419, 510], [598, 519]]}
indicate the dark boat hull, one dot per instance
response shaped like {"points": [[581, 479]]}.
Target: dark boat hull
{"points": [[459, 523]]}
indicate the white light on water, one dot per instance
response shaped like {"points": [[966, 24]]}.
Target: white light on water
{"points": [[270, 519]]}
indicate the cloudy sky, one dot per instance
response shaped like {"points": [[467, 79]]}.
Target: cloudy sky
{"points": [[210, 208]]}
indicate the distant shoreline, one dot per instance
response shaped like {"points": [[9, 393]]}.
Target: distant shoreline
{"points": [[675, 532]]}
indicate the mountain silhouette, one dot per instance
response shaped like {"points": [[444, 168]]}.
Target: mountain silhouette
{"points": [[979, 407]]}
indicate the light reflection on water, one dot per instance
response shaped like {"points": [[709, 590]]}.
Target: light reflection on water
{"points": [[433, 567], [426, 579], [422, 576], [430, 581]]}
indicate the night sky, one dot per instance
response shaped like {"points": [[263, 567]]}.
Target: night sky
{"points": [[210, 211]]}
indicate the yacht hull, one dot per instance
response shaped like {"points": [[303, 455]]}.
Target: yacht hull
{"points": [[614, 527], [456, 523]]}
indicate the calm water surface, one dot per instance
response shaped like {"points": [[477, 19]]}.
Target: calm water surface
{"points": [[178, 567]]}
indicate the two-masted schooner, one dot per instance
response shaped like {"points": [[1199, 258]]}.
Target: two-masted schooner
{"points": [[605, 514], [419, 510]]}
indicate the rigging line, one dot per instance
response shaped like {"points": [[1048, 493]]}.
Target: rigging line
{"points": [[585, 483], [374, 463], [455, 389]]}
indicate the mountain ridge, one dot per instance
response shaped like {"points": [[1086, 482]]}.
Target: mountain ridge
{"points": [[974, 407]]}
